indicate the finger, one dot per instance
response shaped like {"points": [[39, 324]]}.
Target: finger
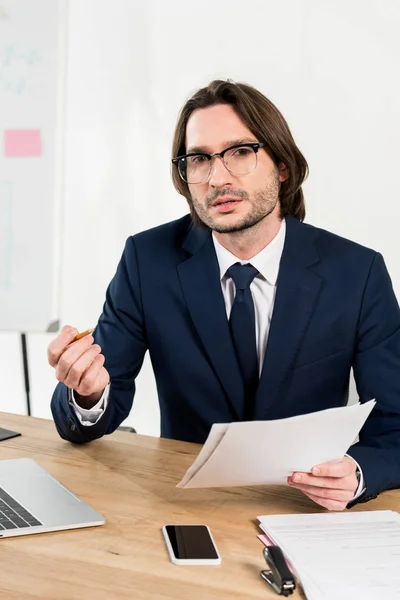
{"points": [[60, 343], [339, 469], [90, 381], [71, 371], [343, 483], [79, 367], [327, 493], [327, 503], [71, 355]]}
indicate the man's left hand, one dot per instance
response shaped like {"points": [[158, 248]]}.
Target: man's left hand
{"points": [[331, 485]]}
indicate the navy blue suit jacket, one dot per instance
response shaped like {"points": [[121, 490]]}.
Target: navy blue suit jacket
{"points": [[334, 309]]}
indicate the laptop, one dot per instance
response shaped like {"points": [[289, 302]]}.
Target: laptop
{"points": [[32, 501]]}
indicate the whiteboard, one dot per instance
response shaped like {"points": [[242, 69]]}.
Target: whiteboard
{"points": [[32, 44]]}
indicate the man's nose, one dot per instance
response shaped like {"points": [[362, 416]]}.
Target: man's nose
{"points": [[219, 175]]}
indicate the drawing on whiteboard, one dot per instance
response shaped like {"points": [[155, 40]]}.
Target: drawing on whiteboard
{"points": [[16, 68], [5, 233], [12, 55]]}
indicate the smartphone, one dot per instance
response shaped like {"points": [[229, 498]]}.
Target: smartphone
{"points": [[191, 545], [6, 434]]}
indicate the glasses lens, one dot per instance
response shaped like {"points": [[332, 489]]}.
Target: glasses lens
{"points": [[241, 161], [194, 169]]}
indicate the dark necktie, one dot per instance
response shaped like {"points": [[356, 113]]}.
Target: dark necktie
{"points": [[243, 331]]}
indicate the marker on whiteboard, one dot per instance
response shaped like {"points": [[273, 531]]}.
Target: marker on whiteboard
{"points": [[82, 334]]}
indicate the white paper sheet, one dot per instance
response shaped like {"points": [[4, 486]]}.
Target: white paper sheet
{"points": [[267, 452], [215, 436], [341, 555]]}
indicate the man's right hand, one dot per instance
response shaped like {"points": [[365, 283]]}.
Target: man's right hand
{"points": [[79, 365]]}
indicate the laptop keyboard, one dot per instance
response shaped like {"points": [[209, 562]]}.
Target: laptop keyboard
{"points": [[13, 515]]}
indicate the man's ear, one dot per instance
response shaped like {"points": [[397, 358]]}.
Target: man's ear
{"points": [[283, 172]]}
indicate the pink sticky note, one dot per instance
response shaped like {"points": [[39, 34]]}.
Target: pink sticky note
{"points": [[22, 142]]}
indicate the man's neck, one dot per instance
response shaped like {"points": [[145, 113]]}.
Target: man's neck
{"points": [[249, 242]]}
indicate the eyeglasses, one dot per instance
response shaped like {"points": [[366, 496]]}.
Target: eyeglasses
{"points": [[240, 159]]}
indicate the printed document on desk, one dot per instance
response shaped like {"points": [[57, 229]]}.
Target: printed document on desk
{"points": [[341, 556], [267, 452]]}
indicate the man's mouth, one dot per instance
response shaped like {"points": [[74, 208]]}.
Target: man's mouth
{"points": [[226, 200]]}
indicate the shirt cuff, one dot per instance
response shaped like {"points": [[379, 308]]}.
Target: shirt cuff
{"points": [[361, 485], [92, 415]]}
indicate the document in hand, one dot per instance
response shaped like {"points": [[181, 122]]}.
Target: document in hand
{"points": [[340, 556], [267, 452]]}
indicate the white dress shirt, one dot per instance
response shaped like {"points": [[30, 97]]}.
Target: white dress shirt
{"points": [[263, 290]]}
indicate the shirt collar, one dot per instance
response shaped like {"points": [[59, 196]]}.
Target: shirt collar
{"points": [[266, 261]]}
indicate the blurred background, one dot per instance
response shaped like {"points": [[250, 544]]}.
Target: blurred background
{"points": [[89, 96]]}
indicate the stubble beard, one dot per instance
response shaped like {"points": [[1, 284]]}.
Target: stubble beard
{"points": [[263, 203]]}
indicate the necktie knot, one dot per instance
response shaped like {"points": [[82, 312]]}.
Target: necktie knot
{"points": [[242, 275]]}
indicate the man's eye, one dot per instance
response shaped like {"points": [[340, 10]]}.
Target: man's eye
{"points": [[242, 151], [198, 159]]}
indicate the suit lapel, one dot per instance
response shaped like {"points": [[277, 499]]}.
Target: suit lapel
{"points": [[200, 280], [296, 296]]}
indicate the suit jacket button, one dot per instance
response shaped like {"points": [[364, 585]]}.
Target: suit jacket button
{"points": [[368, 498], [72, 425]]}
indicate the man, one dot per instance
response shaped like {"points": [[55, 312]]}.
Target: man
{"points": [[247, 312]]}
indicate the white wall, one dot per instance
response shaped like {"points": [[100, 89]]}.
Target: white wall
{"points": [[330, 66]]}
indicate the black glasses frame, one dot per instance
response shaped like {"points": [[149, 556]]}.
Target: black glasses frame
{"points": [[254, 145]]}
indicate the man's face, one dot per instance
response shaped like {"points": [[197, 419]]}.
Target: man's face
{"points": [[226, 202]]}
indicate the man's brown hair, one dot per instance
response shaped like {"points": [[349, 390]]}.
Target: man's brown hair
{"points": [[266, 123]]}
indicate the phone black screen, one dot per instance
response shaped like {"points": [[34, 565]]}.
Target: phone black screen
{"points": [[191, 541]]}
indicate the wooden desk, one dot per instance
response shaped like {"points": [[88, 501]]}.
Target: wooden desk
{"points": [[130, 479]]}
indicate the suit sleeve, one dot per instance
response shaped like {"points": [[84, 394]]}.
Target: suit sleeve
{"points": [[377, 374], [122, 336]]}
